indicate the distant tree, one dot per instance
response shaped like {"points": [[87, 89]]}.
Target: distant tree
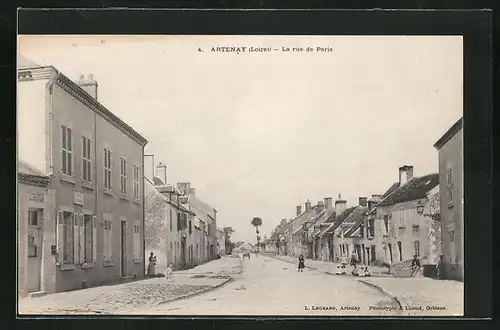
{"points": [[228, 231], [257, 222]]}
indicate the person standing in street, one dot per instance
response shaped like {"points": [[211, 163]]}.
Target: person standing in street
{"points": [[301, 263], [152, 264], [440, 268], [415, 265]]}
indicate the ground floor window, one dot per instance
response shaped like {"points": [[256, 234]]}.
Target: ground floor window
{"points": [[88, 238], [417, 248], [68, 237]]}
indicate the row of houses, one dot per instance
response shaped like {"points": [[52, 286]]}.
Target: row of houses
{"points": [[81, 191], [420, 216], [181, 229]]}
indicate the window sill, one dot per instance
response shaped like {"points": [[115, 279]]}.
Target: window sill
{"points": [[108, 263], [87, 185], [137, 260], [88, 265], [65, 267], [108, 192], [450, 205], [67, 179], [137, 202], [124, 197]]}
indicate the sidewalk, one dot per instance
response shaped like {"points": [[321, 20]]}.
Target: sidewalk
{"points": [[423, 296], [121, 298], [330, 267]]}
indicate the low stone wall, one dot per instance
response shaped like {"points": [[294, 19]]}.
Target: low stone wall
{"points": [[403, 269]]}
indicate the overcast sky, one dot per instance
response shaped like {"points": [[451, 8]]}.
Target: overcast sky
{"points": [[258, 133]]}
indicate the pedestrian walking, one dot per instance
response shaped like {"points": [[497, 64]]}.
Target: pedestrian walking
{"points": [[301, 263], [415, 266], [152, 264], [169, 272]]}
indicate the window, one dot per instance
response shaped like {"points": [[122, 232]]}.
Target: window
{"points": [[108, 237], [31, 246], [88, 238], [123, 176], [417, 249], [386, 224], [171, 220], [449, 183], [68, 237], [371, 228], [416, 229], [107, 168], [401, 218], [136, 182], [190, 228], [137, 239], [66, 151], [86, 160], [34, 217], [452, 236]]}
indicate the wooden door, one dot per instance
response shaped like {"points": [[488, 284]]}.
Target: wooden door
{"points": [[123, 249]]}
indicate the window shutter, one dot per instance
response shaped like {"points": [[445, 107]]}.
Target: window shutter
{"points": [[94, 239], [82, 237], [60, 236], [76, 234], [110, 240]]}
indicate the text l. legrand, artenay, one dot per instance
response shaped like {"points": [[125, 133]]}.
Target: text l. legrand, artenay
{"points": [[282, 49]]}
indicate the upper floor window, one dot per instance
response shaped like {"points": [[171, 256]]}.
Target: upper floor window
{"points": [[123, 176], [449, 183], [386, 224], [107, 168], [86, 160], [66, 150], [170, 217], [417, 248], [401, 218], [136, 182]]}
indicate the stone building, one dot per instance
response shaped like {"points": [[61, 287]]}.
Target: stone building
{"points": [[403, 230], [94, 163], [450, 148]]}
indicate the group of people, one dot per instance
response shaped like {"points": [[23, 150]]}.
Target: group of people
{"points": [[152, 268]]}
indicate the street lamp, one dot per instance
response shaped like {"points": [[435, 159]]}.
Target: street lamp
{"points": [[420, 211]]}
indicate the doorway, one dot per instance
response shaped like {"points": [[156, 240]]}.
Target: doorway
{"points": [[123, 249], [34, 249]]}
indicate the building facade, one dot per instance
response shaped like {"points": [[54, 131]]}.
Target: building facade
{"points": [[450, 149], [94, 161]]}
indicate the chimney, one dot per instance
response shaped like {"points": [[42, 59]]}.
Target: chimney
{"points": [[328, 203], [308, 206], [161, 172], [320, 207], [184, 187], [299, 210], [88, 84], [405, 174], [340, 205], [363, 201]]}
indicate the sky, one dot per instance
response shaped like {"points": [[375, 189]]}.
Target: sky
{"points": [[259, 133]]}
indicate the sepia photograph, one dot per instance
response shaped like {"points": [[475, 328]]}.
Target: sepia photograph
{"points": [[231, 175]]}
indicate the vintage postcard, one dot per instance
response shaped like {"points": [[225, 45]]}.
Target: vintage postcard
{"points": [[240, 175]]}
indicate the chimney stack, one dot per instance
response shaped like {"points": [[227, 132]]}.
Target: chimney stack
{"points": [[308, 206], [405, 174], [299, 210], [88, 84], [161, 172], [328, 204], [184, 187], [320, 207], [340, 205], [363, 201]]}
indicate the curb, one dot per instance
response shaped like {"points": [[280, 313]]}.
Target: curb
{"points": [[229, 279], [383, 291]]}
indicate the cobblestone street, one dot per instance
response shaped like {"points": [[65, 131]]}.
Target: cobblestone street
{"points": [[122, 298]]}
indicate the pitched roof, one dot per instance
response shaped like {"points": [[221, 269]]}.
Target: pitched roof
{"points": [[356, 218], [414, 189], [338, 221], [449, 134]]}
